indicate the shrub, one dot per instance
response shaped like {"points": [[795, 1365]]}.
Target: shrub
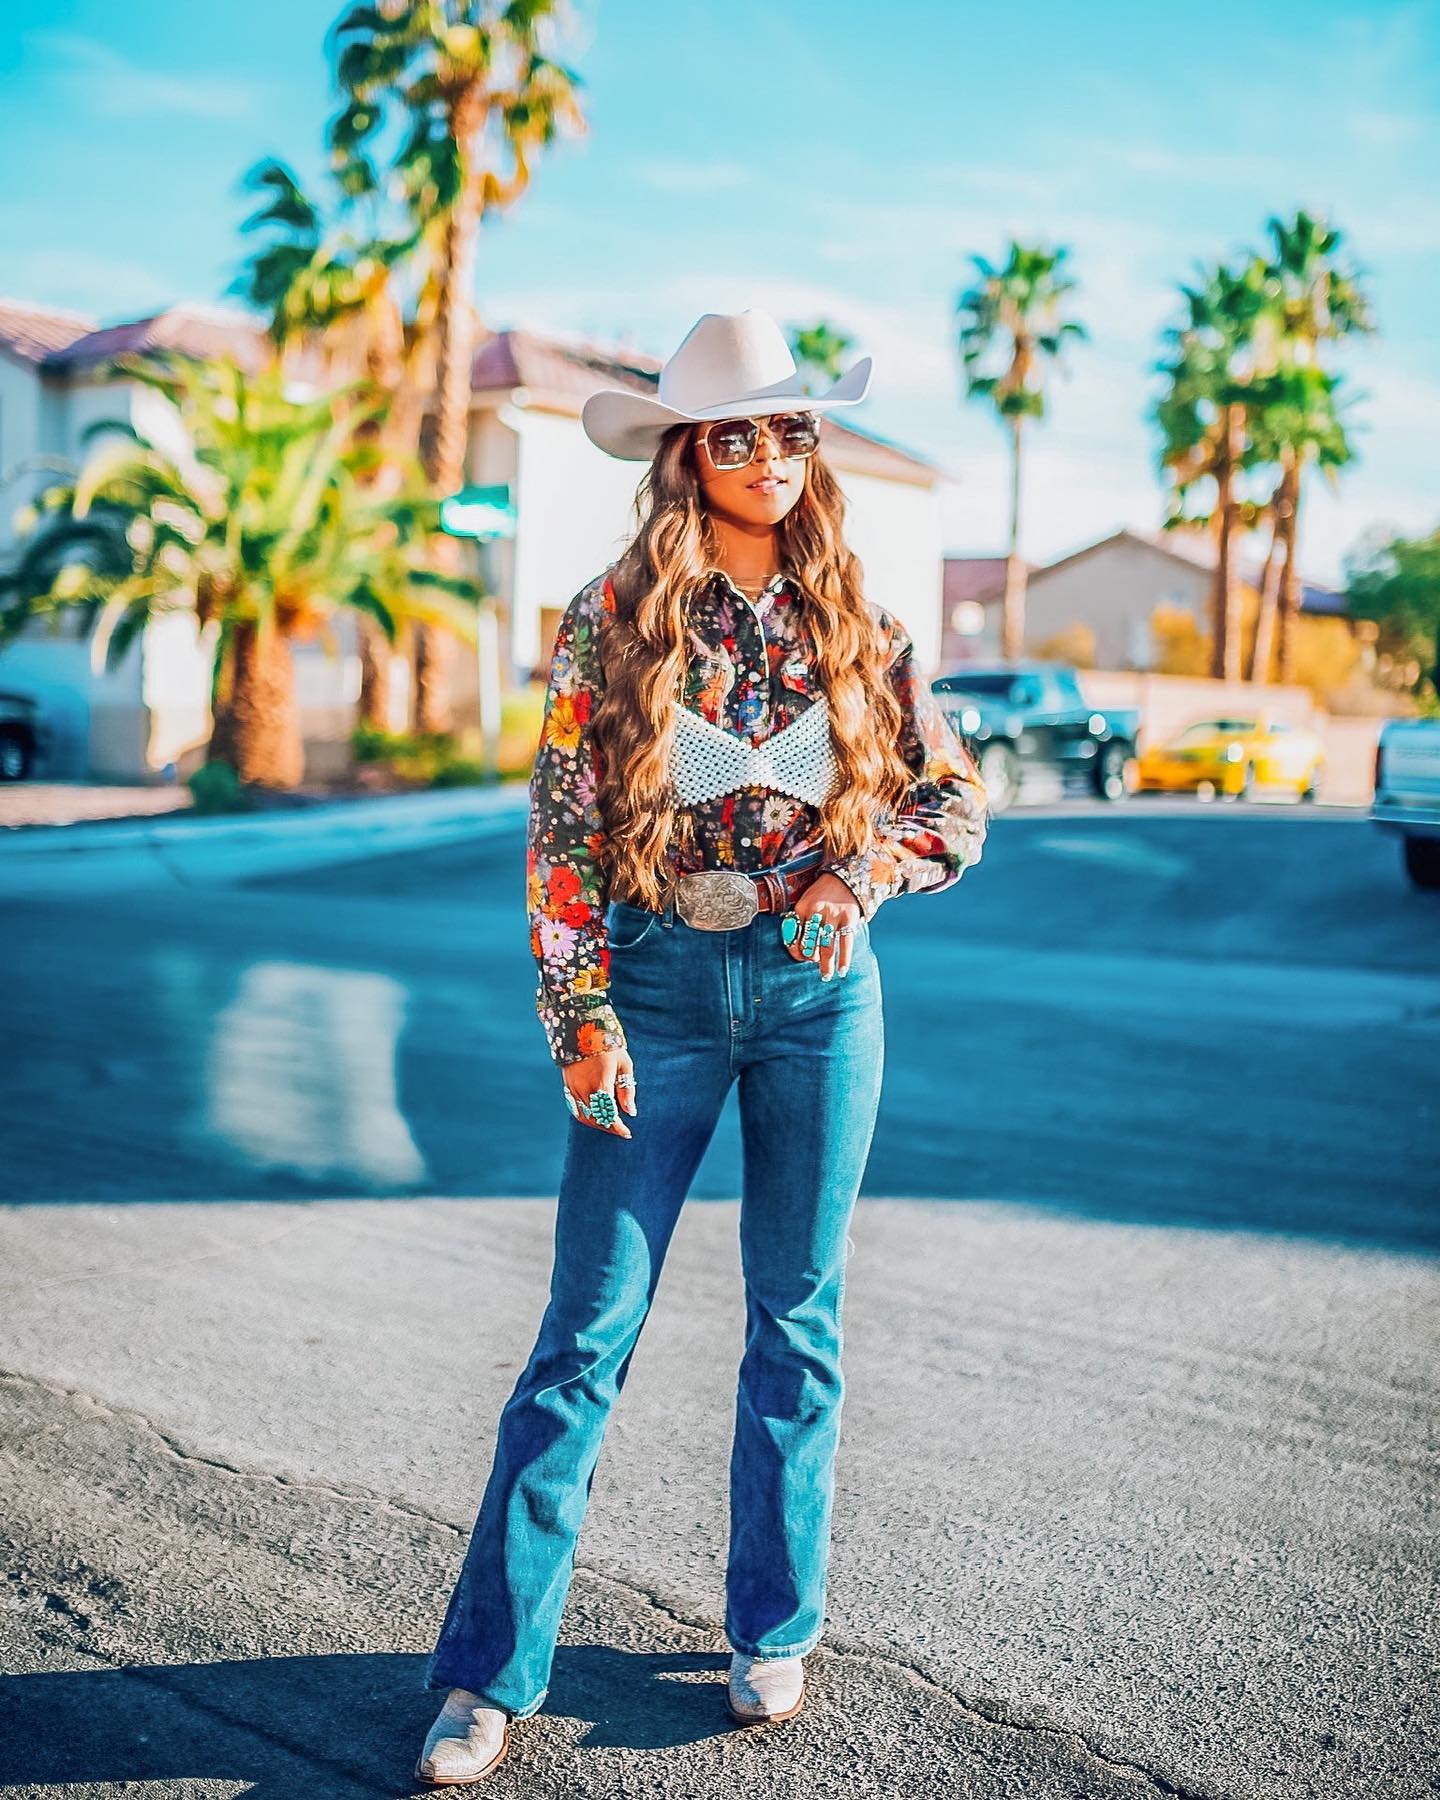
{"points": [[215, 788]]}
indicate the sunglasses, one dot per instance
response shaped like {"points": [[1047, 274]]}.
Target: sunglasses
{"points": [[731, 443]]}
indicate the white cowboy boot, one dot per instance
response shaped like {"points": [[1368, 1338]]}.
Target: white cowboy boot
{"points": [[465, 1743], [766, 1690]]}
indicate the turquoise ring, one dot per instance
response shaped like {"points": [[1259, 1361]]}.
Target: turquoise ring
{"points": [[602, 1107]]}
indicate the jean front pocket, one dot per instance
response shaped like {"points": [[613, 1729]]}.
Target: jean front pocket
{"points": [[627, 925]]}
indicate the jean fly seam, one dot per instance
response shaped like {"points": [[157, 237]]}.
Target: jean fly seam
{"points": [[731, 1020]]}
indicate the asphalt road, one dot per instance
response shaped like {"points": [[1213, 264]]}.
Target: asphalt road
{"points": [[1137, 1491]]}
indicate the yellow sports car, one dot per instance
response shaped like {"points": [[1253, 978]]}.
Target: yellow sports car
{"points": [[1234, 757]]}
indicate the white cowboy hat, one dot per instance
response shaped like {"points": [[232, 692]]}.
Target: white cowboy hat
{"points": [[728, 366]]}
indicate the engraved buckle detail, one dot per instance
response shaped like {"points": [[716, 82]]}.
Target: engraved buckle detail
{"points": [[716, 899]]}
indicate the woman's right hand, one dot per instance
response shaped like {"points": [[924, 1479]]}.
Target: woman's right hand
{"points": [[602, 1071]]}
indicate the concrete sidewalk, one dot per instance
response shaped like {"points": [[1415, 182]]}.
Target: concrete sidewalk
{"points": [[47, 805], [121, 856]]}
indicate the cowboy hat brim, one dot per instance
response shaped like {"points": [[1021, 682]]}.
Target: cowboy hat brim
{"points": [[631, 426]]}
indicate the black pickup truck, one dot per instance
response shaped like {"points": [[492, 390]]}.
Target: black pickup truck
{"points": [[1032, 732], [24, 735]]}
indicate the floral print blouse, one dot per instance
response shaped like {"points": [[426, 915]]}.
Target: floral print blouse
{"points": [[750, 672]]}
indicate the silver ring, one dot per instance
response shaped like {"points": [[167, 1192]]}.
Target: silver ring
{"points": [[624, 1081]]}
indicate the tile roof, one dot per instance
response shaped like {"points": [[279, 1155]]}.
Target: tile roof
{"points": [[559, 373], [35, 332], [196, 331]]}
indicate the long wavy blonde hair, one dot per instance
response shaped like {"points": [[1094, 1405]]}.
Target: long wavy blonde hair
{"points": [[645, 654]]}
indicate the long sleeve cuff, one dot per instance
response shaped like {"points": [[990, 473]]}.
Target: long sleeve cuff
{"points": [[877, 875], [572, 1038]]}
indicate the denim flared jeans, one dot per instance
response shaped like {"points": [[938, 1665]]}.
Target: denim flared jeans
{"points": [[701, 1010]]}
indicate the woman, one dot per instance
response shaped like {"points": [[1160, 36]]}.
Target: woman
{"points": [[739, 763]]}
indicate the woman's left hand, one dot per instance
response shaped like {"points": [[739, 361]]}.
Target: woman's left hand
{"points": [[828, 897]]}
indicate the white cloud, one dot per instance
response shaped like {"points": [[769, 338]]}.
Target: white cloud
{"points": [[1385, 130], [88, 280], [673, 175], [111, 84]]}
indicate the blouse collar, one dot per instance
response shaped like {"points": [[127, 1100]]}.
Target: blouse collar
{"points": [[761, 603]]}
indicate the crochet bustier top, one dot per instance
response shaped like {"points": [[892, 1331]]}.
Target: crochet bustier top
{"points": [[709, 761]]}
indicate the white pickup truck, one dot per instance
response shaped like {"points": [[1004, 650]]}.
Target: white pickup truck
{"points": [[1407, 793]]}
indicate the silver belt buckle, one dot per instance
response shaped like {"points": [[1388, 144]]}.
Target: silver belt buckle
{"points": [[716, 899]]}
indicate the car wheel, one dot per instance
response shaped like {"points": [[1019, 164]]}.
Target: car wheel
{"points": [[1115, 774], [1422, 861], [1000, 771], [14, 758]]}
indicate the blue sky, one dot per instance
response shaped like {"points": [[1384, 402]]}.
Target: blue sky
{"points": [[821, 158]]}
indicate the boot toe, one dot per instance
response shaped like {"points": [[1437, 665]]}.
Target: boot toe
{"points": [[765, 1690], [465, 1742]]}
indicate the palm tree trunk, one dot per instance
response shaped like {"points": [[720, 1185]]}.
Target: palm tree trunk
{"points": [[1012, 612], [448, 442], [1290, 585], [1220, 594], [257, 721], [373, 709], [1225, 654], [384, 364], [1262, 652]]}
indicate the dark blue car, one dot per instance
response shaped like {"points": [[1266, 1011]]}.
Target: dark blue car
{"points": [[1034, 733]]}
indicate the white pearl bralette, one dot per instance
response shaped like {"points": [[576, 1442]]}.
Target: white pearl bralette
{"points": [[709, 761]]}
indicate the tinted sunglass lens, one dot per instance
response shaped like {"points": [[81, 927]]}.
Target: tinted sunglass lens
{"points": [[796, 433], [732, 442]]}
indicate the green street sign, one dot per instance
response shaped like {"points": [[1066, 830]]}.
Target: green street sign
{"points": [[479, 512]]}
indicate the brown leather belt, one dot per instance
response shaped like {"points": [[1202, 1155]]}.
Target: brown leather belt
{"points": [[726, 899]]}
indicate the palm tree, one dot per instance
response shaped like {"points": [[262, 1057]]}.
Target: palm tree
{"points": [[1319, 297], [329, 280], [1203, 416], [473, 96], [1296, 420], [262, 527], [1012, 323], [820, 350]]}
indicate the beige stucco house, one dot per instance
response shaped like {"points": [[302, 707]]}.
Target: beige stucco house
{"points": [[1112, 587]]}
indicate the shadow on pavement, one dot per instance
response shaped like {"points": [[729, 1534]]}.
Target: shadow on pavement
{"points": [[280, 1723]]}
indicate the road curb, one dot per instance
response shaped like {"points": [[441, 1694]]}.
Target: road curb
{"points": [[116, 857]]}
